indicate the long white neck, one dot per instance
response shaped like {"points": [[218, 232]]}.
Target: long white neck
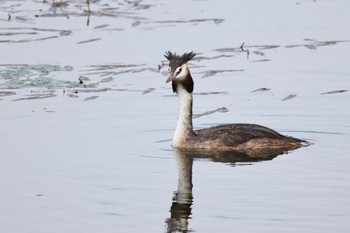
{"points": [[184, 127]]}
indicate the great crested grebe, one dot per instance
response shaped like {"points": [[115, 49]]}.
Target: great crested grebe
{"points": [[227, 137]]}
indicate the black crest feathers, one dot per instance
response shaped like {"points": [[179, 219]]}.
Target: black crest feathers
{"points": [[177, 60]]}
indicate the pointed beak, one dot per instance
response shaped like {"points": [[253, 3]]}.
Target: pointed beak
{"points": [[171, 78]]}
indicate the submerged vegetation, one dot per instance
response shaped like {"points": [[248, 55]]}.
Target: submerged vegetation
{"points": [[35, 76]]}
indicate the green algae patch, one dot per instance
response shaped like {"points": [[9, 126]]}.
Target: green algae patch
{"points": [[36, 76]]}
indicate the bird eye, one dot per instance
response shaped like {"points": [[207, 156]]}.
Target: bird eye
{"points": [[178, 71]]}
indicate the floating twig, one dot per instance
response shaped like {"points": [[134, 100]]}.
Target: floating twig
{"points": [[244, 50], [288, 97], [261, 89], [222, 109], [242, 47], [333, 92], [91, 98], [148, 90], [88, 4], [89, 12]]}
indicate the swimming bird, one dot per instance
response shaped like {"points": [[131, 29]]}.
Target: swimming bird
{"points": [[239, 137]]}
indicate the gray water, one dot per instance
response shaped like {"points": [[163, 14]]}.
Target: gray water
{"points": [[87, 119]]}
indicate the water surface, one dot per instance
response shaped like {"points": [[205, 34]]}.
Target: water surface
{"points": [[87, 119]]}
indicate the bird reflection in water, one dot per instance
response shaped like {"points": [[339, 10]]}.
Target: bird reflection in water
{"points": [[181, 207]]}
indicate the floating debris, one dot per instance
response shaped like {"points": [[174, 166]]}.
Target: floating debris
{"points": [[216, 21], [72, 95], [222, 109], [316, 44], [259, 53], [311, 46], [89, 90], [111, 69], [148, 90], [88, 41], [289, 97], [101, 26], [230, 50], [110, 66], [33, 34], [91, 98], [82, 79], [210, 73], [7, 93], [242, 47], [65, 33], [107, 80], [267, 46], [334, 92], [35, 97], [145, 69], [262, 89], [262, 60], [59, 4]]}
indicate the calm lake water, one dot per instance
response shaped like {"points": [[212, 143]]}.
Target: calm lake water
{"points": [[86, 118]]}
